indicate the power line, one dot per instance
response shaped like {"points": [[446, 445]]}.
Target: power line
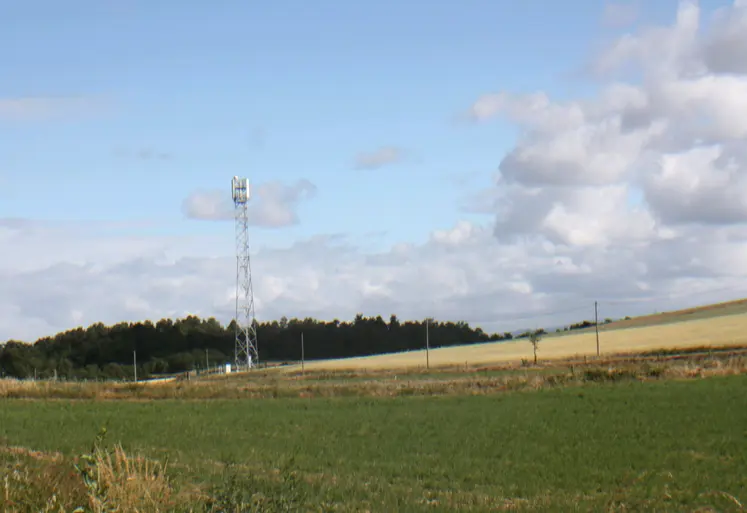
{"points": [[587, 306], [536, 315]]}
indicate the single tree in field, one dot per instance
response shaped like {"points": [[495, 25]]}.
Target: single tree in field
{"points": [[534, 339]]}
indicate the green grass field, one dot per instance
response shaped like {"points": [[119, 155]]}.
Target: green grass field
{"points": [[663, 445]]}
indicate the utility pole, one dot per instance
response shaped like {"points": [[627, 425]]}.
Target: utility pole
{"points": [[427, 344], [207, 362], [302, 353], [134, 364], [596, 325]]}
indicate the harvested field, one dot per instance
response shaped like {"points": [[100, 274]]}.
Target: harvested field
{"points": [[736, 307], [725, 330]]}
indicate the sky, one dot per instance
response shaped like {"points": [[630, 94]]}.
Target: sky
{"points": [[503, 163]]}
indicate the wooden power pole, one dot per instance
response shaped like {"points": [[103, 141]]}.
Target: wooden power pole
{"points": [[596, 324]]}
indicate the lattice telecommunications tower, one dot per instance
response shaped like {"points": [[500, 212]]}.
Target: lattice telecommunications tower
{"points": [[245, 349]]}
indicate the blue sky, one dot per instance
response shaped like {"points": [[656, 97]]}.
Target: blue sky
{"points": [[274, 90], [277, 90], [125, 110]]}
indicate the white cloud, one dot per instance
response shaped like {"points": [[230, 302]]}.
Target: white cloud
{"points": [[726, 48], [707, 184], [384, 156], [40, 107], [672, 134], [272, 205], [598, 217], [636, 197], [459, 273]]}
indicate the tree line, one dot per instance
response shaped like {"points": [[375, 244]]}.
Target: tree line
{"points": [[172, 346]]}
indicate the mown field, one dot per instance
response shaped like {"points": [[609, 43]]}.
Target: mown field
{"points": [[721, 330], [735, 307], [663, 435]]}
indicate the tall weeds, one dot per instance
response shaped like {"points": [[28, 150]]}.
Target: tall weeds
{"points": [[108, 480], [105, 480], [115, 481]]}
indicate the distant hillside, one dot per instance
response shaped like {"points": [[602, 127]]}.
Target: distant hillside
{"points": [[171, 346], [738, 306]]}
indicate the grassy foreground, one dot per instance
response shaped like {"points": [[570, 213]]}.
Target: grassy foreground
{"points": [[665, 445]]}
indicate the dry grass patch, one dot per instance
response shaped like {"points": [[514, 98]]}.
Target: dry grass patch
{"points": [[15, 388], [55, 457], [38, 484], [118, 482], [447, 381], [104, 481]]}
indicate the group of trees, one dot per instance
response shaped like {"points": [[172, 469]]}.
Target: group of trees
{"points": [[171, 346], [584, 325]]}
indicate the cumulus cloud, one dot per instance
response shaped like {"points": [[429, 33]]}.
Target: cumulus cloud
{"points": [[649, 167], [672, 135], [634, 197], [381, 157], [726, 47], [273, 204]]}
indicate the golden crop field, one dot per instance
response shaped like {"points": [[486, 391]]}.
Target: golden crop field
{"points": [[728, 330]]}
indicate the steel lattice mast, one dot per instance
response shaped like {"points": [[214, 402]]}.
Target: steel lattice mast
{"points": [[246, 348]]}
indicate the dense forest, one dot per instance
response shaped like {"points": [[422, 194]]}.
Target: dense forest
{"points": [[172, 346]]}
